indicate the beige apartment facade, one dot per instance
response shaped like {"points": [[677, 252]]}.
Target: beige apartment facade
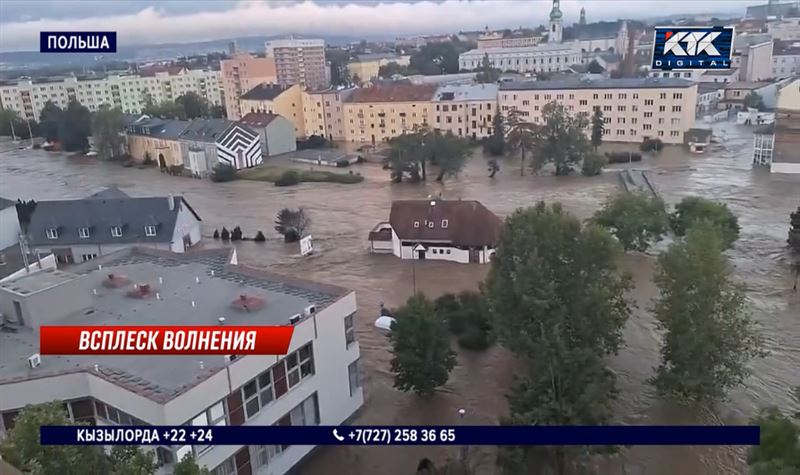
{"points": [[276, 99], [127, 92], [368, 66], [323, 112], [465, 110], [241, 74], [299, 62], [376, 114], [633, 109]]}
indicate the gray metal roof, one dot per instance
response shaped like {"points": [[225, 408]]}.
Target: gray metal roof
{"points": [[110, 192], [4, 203], [264, 92], [167, 129], [465, 92], [206, 130], [161, 378], [577, 83], [99, 215]]}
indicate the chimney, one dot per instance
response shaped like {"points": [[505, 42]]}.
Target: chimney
{"points": [[171, 202]]}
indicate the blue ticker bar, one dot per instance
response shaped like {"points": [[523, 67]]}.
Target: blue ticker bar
{"points": [[400, 435]]}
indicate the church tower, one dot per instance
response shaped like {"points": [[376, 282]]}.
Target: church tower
{"points": [[582, 21], [554, 35]]}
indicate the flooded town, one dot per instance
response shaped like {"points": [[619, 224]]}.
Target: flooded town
{"points": [[352, 190]]}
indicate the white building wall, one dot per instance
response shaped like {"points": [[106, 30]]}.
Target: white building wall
{"points": [[45, 263], [9, 227], [186, 223], [784, 167]]}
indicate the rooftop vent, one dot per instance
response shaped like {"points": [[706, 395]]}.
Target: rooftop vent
{"points": [[221, 320], [34, 360], [295, 319], [310, 310]]}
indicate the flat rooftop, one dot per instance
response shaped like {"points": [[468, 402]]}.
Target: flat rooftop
{"points": [[37, 282], [174, 277]]}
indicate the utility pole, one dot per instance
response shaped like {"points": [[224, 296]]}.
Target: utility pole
{"points": [[30, 133], [13, 135]]}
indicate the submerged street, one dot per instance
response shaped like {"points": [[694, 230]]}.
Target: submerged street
{"points": [[342, 215]]}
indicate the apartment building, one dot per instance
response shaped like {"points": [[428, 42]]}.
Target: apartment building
{"points": [[378, 113], [720, 75], [156, 139], [633, 109], [786, 59], [465, 110], [242, 73], [549, 57], [300, 62], [323, 112], [786, 29], [785, 158], [315, 383], [752, 56], [127, 92], [286, 101]]}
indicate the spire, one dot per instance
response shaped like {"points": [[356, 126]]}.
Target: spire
{"points": [[555, 13], [583, 16]]}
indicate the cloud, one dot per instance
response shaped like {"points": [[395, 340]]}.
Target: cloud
{"points": [[152, 25]]}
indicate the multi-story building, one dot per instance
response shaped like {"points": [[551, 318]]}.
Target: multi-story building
{"points": [[241, 74], [548, 57], [720, 75], [299, 62], [786, 59], [785, 157], [323, 112], [786, 29], [708, 96], [127, 92], [693, 75], [465, 110], [367, 66], [286, 101], [315, 383], [752, 56], [378, 113], [633, 109], [497, 40], [156, 139]]}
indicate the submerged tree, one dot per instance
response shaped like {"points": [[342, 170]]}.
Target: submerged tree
{"points": [[598, 127], [107, 132], [636, 219], [708, 337], [693, 209], [561, 139], [558, 301], [292, 224], [422, 358], [520, 137]]}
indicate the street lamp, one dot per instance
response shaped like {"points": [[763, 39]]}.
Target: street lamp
{"points": [[417, 249], [464, 448]]}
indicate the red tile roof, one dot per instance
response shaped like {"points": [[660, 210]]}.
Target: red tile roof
{"points": [[469, 223], [394, 93]]}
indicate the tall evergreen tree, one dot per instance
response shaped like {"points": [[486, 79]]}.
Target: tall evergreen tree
{"points": [[597, 127]]}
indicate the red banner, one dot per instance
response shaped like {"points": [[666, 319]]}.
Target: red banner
{"points": [[165, 340]]}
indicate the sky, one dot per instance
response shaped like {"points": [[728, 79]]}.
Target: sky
{"points": [[151, 22]]}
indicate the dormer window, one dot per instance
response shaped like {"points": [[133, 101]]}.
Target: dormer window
{"points": [[444, 223], [116, 231], [149, 231], [430, 224], [52, 233], [416, 224], [83, 233]]}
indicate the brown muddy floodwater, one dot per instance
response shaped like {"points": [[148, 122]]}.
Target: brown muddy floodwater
{"points": [[342, 215]]}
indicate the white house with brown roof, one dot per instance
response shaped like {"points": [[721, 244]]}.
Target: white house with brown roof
{"points": [[448, 230]]}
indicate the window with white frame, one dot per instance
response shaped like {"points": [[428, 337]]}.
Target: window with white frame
{"points": [[355, 380], [349, 330], [276, 381], [228, 467], [83, 232], [430, 224], [444, 223], [261, 455], [306, 413], [116, 231], [52, 233], [150, 231], [416, 224], [257, 393]]}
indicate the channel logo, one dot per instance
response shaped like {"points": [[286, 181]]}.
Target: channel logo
{"points": [[78, 42], [692, 47]]}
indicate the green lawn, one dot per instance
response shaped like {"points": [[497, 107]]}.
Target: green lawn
{"points": [[271, 174]]}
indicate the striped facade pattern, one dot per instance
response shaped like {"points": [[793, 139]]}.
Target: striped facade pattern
{"points": [[239, 147]]}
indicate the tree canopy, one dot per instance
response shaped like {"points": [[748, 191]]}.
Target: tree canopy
{"points": [[754, 100], [559, 303], [422, 357], [708, 336], [106, 131], [487, 73], [193, 105], [636, 219], [438, 58], [561, 139], [411, 153], [12, 125], [693, 209], [521, 138], [598, 127], [292, 224]]}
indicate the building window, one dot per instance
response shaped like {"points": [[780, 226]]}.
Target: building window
{"points": [[660, 133], [349, 330], [676, 108], [150, 231], [648, 102], [83, 233], [228, 467], [352, 373], [583, 102], [262, 454], [116, 231], [445, 222], [52, 233], [662, 108], [276, 381], [416, 224], [663, 95], [674, 133], [430, 224]]}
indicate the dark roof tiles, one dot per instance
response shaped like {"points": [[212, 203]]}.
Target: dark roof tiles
{"points": [[468, 222]]}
